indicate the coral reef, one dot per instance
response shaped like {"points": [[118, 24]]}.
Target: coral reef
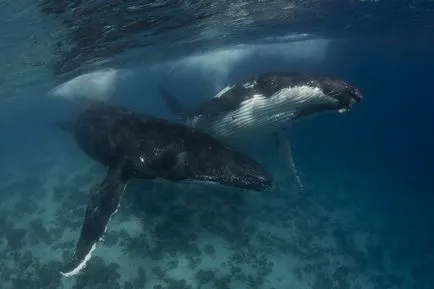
{"points": [[168, 235]]}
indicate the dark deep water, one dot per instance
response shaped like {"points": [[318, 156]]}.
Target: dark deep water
{"points": [[364, 221]]}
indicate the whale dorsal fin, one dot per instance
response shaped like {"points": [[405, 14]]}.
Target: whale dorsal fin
{"points": [[102, 205], [175, 105]]}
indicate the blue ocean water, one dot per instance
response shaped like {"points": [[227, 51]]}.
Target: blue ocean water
{"points": [[364, 220]]}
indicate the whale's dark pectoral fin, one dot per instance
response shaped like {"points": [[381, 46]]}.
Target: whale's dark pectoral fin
{"points": [[102, 205], [286, 151], [175, 106]]}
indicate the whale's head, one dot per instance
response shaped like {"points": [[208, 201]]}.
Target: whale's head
{"points": [[344, 94], [232, 169], [312, 94], [198, 158], [219, 164]]}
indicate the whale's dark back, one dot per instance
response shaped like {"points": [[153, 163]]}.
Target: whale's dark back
{"points": [[151, 147]]}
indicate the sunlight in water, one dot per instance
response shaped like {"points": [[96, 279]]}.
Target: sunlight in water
{"points": [[215, 65], [98, 85]]}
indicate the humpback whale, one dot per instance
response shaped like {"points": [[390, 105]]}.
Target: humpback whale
{"points": [[133, 145], [266, 104]]}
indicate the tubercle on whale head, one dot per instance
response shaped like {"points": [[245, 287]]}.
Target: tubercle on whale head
{"points": [[231, 168], [350, 97], [345, 94]]}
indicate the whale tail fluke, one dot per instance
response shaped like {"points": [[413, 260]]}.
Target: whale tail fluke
{"points": [[175, 106]]}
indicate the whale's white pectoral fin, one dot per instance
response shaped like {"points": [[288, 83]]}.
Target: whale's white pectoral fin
{"points": [[102, 206], [284, 147]]}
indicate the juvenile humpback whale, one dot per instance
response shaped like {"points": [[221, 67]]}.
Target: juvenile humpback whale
{"points": [[133, 145], [266, 104]]}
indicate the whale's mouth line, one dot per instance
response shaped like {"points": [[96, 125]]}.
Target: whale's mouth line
{"points": [[344, 110], [348, 106]]}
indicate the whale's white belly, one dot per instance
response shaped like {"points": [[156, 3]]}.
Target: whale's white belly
{"points": [[260, 115]]}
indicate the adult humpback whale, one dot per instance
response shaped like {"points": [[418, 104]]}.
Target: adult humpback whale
{"points": [[266, 104], [133, 145]]}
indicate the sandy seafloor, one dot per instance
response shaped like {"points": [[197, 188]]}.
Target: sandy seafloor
{"points": [[168, 235]]}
